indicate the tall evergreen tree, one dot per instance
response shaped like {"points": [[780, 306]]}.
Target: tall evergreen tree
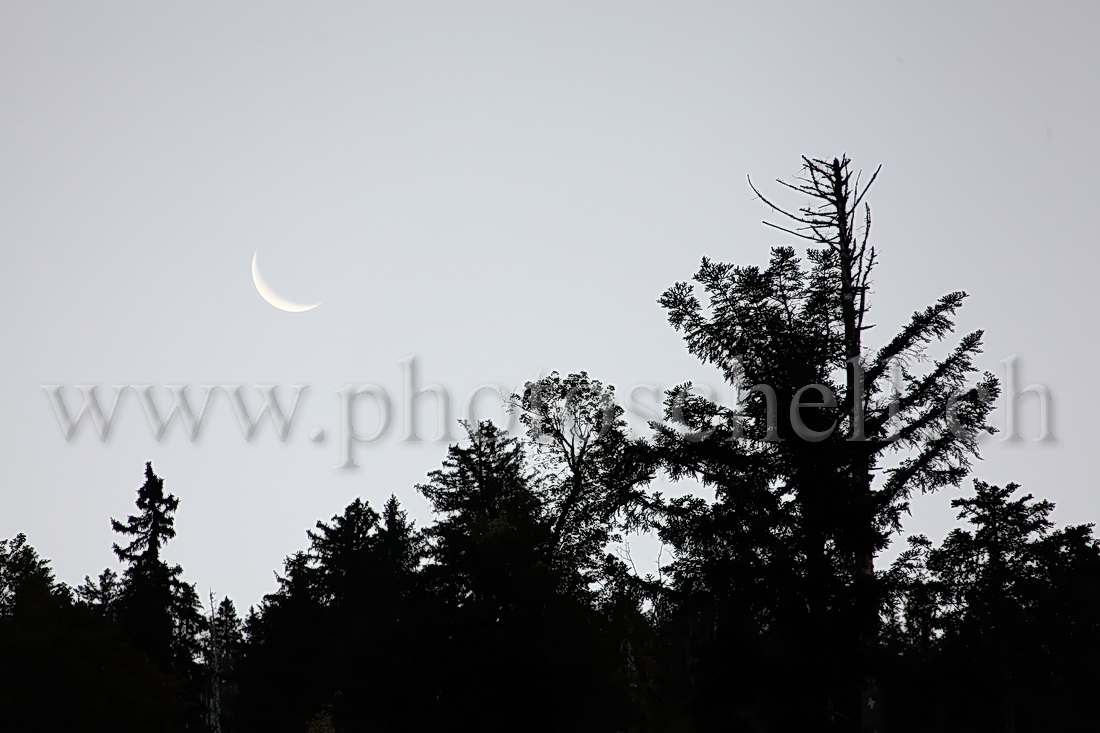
{"points": [[492, 532], [1006, 603], [804, 477], [65, 667], [343, 635], [222, 649], [157, 609], [515, 638], [991, 577], [285, 667]]}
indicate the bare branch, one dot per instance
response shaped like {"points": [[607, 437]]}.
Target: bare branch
{"points": [[859, 194], [773, 206], [792, 231]]}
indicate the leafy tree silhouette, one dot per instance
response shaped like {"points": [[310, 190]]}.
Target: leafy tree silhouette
{"points": [[592, 471], [593, 476]]}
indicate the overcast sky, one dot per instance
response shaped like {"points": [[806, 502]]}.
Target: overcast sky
{"points": [[498, 190]]}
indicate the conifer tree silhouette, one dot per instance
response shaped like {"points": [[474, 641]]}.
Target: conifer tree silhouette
{"points": [[798, 462], [507, 611], [516, 632], [1001, 603], [64, 666], [157, 610]]}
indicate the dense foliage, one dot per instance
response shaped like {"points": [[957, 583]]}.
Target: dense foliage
{"points": [[510, 610]]}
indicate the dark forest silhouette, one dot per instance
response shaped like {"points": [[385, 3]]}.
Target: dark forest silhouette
{"points": [[509, 612]]}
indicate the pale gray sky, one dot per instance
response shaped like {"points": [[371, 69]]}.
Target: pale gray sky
{"points": [[494, 188]]}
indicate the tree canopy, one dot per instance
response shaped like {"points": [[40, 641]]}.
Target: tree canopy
{"points": [[511, 609]]}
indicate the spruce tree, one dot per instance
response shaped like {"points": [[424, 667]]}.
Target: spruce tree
{"points": [[64, 666], [492, 532], [159, 611], [26, 580], [513, 636], [101, 594], [1006, 603], [285, 672], [223, 646], [344, 633], [990, 575], [800, 468]]}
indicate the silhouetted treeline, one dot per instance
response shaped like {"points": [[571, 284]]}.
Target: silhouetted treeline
{"points": [[511, 611]]}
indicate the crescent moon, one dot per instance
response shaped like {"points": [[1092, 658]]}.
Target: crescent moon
{"points": [[273, 298]]}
